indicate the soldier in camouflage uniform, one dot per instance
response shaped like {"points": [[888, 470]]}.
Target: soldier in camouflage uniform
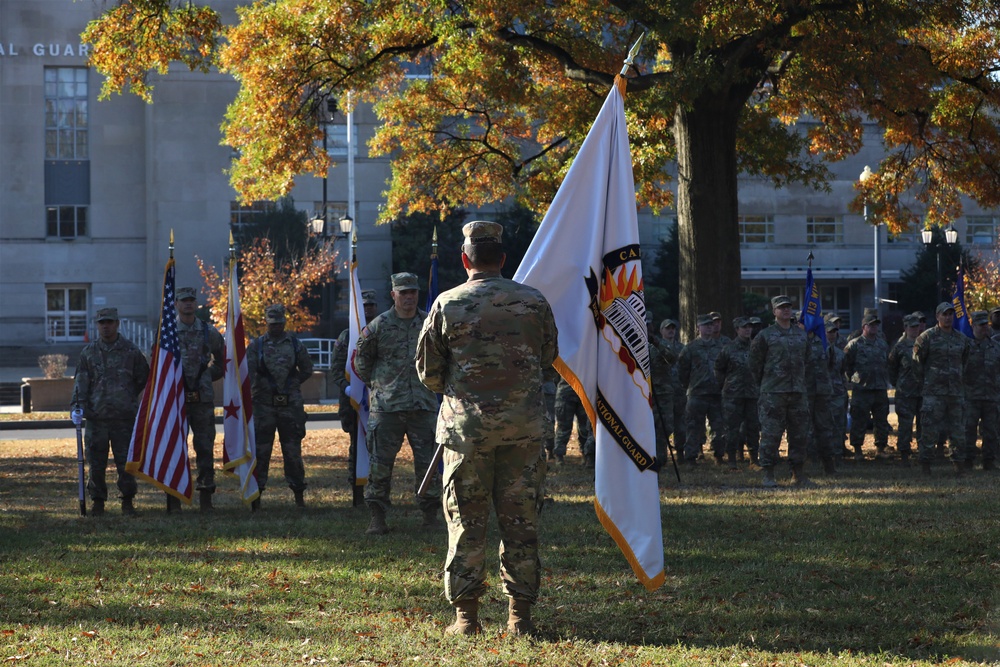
{"points": [[668, 335], [345, 410], [838, 402], [866, 360], [484, 346], [904, 374], [739, 393], [278, 364], [995, 324], [661, 361], [568, 408], [696, 372], [778, 361], [941, 353], [982, 391], [819, 392], [203, 351], [399, 404], [109, 381]]}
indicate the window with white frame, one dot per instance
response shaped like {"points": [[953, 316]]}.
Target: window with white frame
{"points": [[980, 230], [822, 229], [66, 221], [756, 229], [336, 140], [66, 125], [65, 313], [245, 214]]}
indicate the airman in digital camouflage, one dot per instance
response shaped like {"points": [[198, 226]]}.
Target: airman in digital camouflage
{"points": [[109, 381], [865, 362], [696, 372], [905, 376], [484, 346], [399, 404], [668, 335], [982, 390], [278, 364], [838, 402], [819, 393], [941, 353], [739, 393]]}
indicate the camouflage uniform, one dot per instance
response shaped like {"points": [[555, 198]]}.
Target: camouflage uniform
{"points": [[696, 372], [904, 374], [739, 397], [567, 408], [941, 356], [278, 367], [202, 353], [345, 411], [777, 361], [661, 360], [819, 392], [680, 399], [838, 400], [109, 381], [399, 405], [865, 363], [982, 396], [484, 346]]}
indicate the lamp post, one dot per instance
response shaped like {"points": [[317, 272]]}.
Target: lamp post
{"points": [[951, 237], [865, 175]]}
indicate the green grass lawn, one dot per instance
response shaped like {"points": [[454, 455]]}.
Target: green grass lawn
{"points": [[878, 566]]}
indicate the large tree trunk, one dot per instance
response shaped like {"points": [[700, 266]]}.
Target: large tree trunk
{"points": [[707, 207]]}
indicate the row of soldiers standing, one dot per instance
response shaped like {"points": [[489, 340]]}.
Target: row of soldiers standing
{"points": [[947, 385]]}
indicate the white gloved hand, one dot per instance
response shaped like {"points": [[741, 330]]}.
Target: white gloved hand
{"points": [[77, 416], [347, 391]]}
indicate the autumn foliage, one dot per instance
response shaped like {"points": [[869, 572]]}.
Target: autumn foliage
{"points": [[982, 282], [263, 282]]}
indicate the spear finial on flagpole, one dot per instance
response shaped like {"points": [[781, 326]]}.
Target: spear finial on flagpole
{"points": [[171, 243], [632, 54], [810, 259], [232, 245], [434, 243]]}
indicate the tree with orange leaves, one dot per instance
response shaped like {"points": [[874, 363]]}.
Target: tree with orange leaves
{"points": [[514, 86], [264, 282], [982, 282]]}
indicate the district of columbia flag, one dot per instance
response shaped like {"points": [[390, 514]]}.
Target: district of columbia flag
{"points": [[239, 449], [359, 391], [812, 312], [158, 451], [585, 259], [962, 321]]}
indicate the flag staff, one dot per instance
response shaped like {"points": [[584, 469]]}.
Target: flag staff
{"points": [[172, 243], [632, 54]]}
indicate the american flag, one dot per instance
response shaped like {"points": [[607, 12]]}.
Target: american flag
{"points": [[239, 451], [158, 451]]}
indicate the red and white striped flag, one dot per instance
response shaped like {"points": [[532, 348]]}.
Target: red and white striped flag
{"points": [[158, 451], [239, 450], [585, 259]]}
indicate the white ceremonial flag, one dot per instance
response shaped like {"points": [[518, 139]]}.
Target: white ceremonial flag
{"points": [[239, 449], [585, 259], [359, 391]]}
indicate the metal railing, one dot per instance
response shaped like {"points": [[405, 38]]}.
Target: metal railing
{"points": [[138, 333], [321, 350]]}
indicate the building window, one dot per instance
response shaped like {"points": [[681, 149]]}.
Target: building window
{"points": [[65, 313], [837, 300], [756, 229], [336, 140], [66, 222], [246, 214], [906, 237], [66, 114], [980, 230], [824, 229]]}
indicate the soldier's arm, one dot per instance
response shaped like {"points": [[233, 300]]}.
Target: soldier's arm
{"points": [[432, 355], [850, 358], [217, 348], [140, 370], [303, 363], [722, 366], [81, 384], [758, 352], [892, 367], [920, 350], [684, 367], [339, 362], [367, 353]]}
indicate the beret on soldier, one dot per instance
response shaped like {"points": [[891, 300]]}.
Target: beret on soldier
{"points": [[107, 314], [979, 317], [404, 281], [705, 319], [482, 231], [275, 313], [186, 293], [368, 296], [781, 300], [944, 307]]}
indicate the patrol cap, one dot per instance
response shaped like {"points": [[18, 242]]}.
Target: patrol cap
{"points": [[669, 323], [482, 231], [871, 318], [919, 315], [740, 322], [275, 313], [403, 281], [911, 320], [755, 320], [705, 319], [781, 300], [944, 307], [979, 317], [833, 324], [368, 296], [715, 316], [832, 318], [107, 314], [186, 293]]}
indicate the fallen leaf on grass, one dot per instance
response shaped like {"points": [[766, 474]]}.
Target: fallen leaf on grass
{"points": [[89, 633]]}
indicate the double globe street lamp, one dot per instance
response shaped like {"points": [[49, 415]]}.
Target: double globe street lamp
{"points": [[951, 237]]}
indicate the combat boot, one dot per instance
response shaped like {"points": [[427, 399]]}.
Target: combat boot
{"points": [[358, 497], [769, 481], [731, 458], [799, 477], [466, 619], [377, 526], [128, 509], [430, 517], [205, 501], [300, 500], [859, 455], [255, 505], [98, 508], [173, 504], [519, 618]]}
